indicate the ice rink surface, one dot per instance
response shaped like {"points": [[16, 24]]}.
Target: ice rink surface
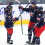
{"points": [[18, 38]]}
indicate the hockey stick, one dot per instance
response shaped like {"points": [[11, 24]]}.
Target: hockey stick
{"points": [[21, 22], [20, 15]]}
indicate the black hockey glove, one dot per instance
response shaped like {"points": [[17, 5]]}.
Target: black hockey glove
{"points": [[15, 19], [20, 7]]}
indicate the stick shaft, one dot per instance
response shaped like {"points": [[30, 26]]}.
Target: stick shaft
{"points": [[17, 1], [29, 1]]}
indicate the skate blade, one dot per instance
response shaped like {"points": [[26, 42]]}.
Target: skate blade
{"points": [[10, 43], [27, 44]]}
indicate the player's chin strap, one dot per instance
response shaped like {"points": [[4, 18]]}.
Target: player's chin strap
{"points": [[20, 15]]}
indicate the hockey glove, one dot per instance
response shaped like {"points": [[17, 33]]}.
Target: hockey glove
{"points": [[15, 19], [20, 7]]}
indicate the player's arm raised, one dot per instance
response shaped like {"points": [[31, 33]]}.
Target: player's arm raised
{"points": [[26, 9]]}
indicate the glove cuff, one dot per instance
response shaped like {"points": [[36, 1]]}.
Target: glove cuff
{"points": [[22, 8], [14, 19]]}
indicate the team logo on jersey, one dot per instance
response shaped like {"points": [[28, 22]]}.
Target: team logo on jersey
{"points": [[31, 13]]}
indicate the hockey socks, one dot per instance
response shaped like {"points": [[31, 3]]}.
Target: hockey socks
{"points": [[29, 35], [38, 40], [9, 39]]}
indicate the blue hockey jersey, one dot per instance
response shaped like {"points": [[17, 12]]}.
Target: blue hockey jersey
{"points": [[40, 20], [8, 20], [33, 13]]}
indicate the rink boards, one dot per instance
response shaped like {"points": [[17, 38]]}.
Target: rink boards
{"points": [[16, 13]]}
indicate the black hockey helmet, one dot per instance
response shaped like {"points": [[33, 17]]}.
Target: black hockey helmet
{"points": [[40, 8], [33, 2], [11, 3]]}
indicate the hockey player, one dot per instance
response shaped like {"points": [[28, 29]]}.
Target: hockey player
{"points": [[9, 23], [33, 15], [39, 27]]}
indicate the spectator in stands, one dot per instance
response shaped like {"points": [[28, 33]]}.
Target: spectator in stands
{"points": [[1, 1]]}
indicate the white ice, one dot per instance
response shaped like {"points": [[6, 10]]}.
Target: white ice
{"points": [[18, 38]]}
